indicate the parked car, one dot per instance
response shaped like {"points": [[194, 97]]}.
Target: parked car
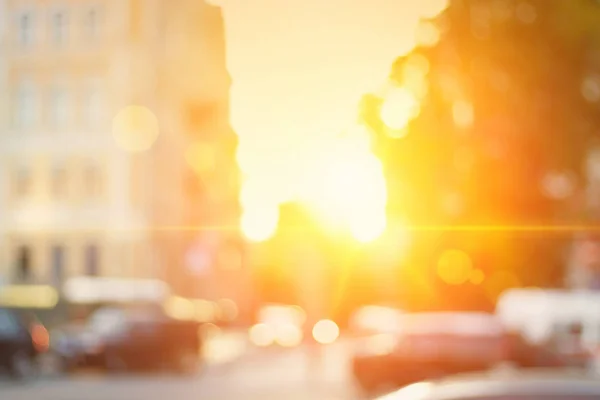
{"points": [[429, 345], [121, 340], [373, 319], [516, 385], [279, 325], [22, 340]]}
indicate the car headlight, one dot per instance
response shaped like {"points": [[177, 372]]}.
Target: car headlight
{"points": [[288, 335], [262, 335]]}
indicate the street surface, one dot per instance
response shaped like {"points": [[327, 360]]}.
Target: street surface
{"points": [[255, 374]]}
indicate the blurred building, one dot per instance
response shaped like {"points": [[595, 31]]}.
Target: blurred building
{"points": [[114, 137]]}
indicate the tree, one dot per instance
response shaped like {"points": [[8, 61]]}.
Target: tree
{"points": [[508, 102]]}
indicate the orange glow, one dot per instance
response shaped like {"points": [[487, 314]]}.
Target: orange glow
{"points": [[414, 75], [477, 276], [326, 331], [499, 282], [454, 267], [428, 34], [200, 157], [463, 114]]}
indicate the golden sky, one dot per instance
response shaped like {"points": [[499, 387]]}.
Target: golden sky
{"points": [[302, 64], [299, 68]]}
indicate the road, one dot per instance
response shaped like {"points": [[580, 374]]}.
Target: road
{"points": [[259, 374]]}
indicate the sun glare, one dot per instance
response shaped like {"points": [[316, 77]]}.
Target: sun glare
{"points": [[259, 223], [399, 108], [297, 136]]}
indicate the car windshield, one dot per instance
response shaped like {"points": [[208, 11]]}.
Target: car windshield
{"points": [[463, 324], [107, 321]]}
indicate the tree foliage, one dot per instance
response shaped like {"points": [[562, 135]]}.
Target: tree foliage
{"points": [[511, 102]]}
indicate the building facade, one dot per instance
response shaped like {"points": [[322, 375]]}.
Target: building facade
{"points": [[114, 136]]}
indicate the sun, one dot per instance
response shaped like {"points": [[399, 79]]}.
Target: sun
{"points": [[352, 190], [260, 223], [341, 179]]}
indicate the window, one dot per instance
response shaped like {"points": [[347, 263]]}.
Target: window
{"points": [[92, 104], [9, 326], [92, 260], [24, 106], [92, 182], [59, 182], [58, 259], [92, 108], [22, 182], [59, 107], [23, 259], [92, 24], [25, 29], [60, 28]]}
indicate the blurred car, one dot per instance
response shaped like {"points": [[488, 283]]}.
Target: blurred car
{"points": [[568, 343], [375, 319], [530, 385], [278, 325], [22, 340], [119, 340], [80, 343], [567, 323], [523, 353], [429, 345]]}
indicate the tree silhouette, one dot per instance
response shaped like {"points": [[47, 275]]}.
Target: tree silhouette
{"points": [[510, 111]]}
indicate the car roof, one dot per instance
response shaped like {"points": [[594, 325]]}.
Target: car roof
{"points": [[467, 323], [501, 383]]}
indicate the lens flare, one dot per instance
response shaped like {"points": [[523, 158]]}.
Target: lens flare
{"points": [[326, 331], [262, 335]]}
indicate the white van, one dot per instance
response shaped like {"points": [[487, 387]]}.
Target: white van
{"points": [[544, 315]]}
